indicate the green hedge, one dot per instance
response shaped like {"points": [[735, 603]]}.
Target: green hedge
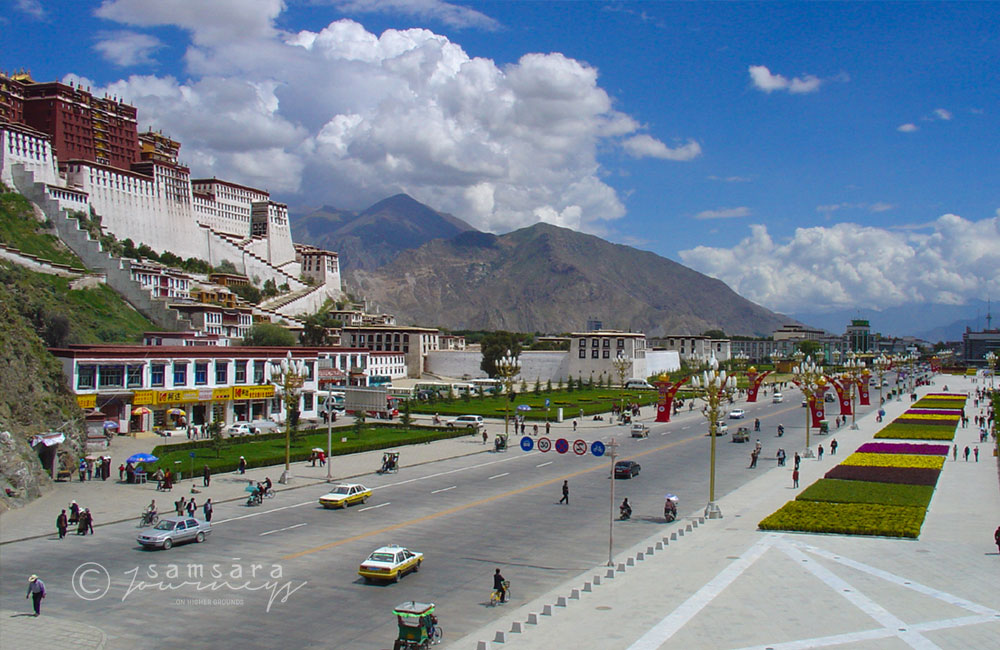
{"points": [[847, 518], [889, 494], [338, 431]]}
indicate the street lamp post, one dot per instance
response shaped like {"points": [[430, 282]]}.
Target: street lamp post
{"points": [[809, 377], [713, 387], [288, 375], [854, 369], [991, 361], [507, 368], [613, 453], [622, 365], [881, 364]]}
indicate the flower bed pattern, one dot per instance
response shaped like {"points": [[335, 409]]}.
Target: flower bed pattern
{"points": [[847, 518], [909, 475], [904, 431], [894, 460], [902, 448], [888, 494]]}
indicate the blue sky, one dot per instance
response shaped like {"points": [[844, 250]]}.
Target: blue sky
{"points": [[815, 156]]}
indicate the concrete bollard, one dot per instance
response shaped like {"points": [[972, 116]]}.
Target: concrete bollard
{"points": [[680, 532], [659, 546], [586, 587], [483, 645], [630, 562], [533, 618], [673, 537], [574, 595], [500, 637], [610, 573], [561, 601], [546, 610], [597, 580], [695, 523], [515, 627], [621, 567], [649, 550], [701, 520], [640, 556], [688, 528]]}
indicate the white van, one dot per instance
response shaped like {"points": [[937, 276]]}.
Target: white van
{"points": [[474, 422], [640, 384], [777, 398]]}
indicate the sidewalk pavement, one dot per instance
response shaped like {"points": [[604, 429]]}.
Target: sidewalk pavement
{"points": [[22, 630], [721, 583]]}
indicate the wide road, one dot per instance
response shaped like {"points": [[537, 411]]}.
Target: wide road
{"points": [[284, 574]]}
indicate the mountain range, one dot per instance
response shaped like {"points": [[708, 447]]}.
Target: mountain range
{"points": [[433, 269]]}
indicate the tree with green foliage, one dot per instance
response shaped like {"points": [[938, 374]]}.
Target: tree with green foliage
{"points": [[559, 386], [524, 386], [494, 347], [451, 393], [359, 423], [269, 334], [809, 348], [548, 385], [214, 431], [570, 385], [406, 418], [714, 334], [538, 385]]}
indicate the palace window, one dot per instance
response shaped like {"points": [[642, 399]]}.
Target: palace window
{"points": [[86, 376], [180, 373], [157, 374]]}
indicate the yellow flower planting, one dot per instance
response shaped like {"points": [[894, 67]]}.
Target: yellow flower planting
{"points": [[895, 460]]}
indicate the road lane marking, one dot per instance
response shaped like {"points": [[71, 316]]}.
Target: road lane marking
{"points": [[474, 504], [544, 464], [444, 489], [282, 529], [381, 505], [498, 476], [262, 512]]}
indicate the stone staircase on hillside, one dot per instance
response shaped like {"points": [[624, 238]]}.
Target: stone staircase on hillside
{"points": [[117, 273]]}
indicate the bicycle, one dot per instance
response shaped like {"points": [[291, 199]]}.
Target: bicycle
{"points": [[496, 595], [148, 519]]}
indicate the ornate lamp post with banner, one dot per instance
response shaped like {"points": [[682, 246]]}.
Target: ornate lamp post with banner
{"points": [[713, 387], [882, 364], [808, 376], [622, 366], [991, 361], [507, 368], [288, 376], [854, 370]]}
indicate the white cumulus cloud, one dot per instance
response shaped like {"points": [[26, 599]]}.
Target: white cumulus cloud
{"points": [[347, 117], [848, 265], [33, 8], [909, 127], [724, 213], [127, 48], [446, 12], [943, 114], [646, 146], [763, 79]]}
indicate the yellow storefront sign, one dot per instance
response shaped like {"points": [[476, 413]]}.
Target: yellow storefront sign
{"points": [[87, 401], [222, 394], [176, 396], [143, 398], [253, 392]]}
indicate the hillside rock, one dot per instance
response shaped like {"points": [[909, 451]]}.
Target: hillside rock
{"points": [[550, 279], [375, 236]]}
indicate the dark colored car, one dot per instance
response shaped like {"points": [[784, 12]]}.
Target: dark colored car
{"points": [[626, 469]]}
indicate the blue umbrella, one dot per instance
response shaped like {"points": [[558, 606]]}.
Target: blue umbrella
{"points": [[524, 407], [110, 425], [142, 458]]}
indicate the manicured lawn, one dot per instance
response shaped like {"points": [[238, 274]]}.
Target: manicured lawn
{"points": [[267, 450], [847, 518], [890, 494]]}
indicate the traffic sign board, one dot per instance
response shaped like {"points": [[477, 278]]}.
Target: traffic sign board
{"points": [[547, 402], [562, 445], [597, 448], [527, 443], [580, 447], [544, 444]]}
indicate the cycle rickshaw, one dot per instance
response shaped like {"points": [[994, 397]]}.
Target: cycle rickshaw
{"points": [[418, 626], [500, 443]]}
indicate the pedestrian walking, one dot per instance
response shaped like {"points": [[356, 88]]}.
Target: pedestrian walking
{"points": [[795, 477], [243, 465], [206, 476], [833, 447], [180, 505], [565, 493], [966, 453], [574, 426], [86, 523], [534, 430], [820, 452], [121, 472], [486, 436], [207, 508], [74, 512], [62, 523], [83, 470], [798, 459], [954, 452], [548, 427], [36, 591], [753, 458], [168, 481], [996, 538], [191, 507], [975, 450]]}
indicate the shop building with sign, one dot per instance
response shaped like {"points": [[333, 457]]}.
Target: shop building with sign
{"points": [[144, 388]]}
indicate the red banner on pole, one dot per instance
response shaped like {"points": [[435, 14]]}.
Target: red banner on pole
{"points": [[664, 408], [755, 382], [843, 389]]}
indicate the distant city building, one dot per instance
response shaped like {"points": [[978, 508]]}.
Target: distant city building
{"points": [[592, 354], [795, 332], [859, 336], [413, 342], [695, 349], [451, 342], [975, 345]]}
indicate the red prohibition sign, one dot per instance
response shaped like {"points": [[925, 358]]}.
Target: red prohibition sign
{"points": [[544, 444], [579, 447]]}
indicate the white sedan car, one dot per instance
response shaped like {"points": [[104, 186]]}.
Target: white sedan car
{"points": [[390, 563], [737, 414]]}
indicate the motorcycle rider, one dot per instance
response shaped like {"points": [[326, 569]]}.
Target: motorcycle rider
{"points": [[781, 430], [670, 510], [625, 509]]}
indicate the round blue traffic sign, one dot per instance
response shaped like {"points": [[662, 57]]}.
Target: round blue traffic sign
{"points": [[562, 445], [527, 444], [597, 448]]}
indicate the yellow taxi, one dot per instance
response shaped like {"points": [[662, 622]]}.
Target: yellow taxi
{"points": [[390, 563], [344, 495]]}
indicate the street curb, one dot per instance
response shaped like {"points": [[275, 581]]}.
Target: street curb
{"points": [[286, 489]]}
